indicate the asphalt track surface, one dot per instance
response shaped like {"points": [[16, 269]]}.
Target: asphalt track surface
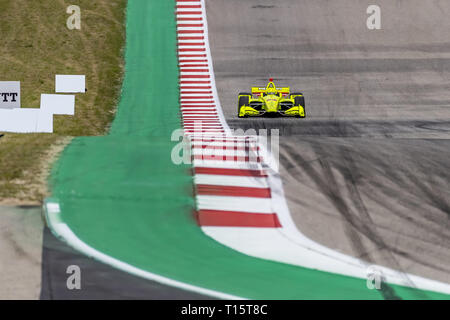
{"points": [[367, 172]]}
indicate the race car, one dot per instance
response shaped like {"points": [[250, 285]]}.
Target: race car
{"points": [[271, 101]]}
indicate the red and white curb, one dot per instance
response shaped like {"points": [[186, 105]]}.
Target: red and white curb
{"points": [[240, 199]]}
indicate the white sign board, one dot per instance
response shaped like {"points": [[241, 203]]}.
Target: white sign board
{"points": [[58, 103], [26, 120], [9, 94], [70, 84]]}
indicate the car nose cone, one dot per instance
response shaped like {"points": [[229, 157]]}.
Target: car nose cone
{"points": [[272, 106]]}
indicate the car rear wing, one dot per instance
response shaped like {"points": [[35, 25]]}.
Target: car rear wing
{"points": [[259, 90]]}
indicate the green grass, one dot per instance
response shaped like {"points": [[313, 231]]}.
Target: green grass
{"points": [[36, 45]]}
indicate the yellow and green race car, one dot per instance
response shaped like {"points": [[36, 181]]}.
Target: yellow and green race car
{"points": [[271, 101]]}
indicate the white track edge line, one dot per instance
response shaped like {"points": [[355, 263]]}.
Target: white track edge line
{"points": [[62, 231]]}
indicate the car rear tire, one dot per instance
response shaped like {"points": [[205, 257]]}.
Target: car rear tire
{"points": [[244, 99]]}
